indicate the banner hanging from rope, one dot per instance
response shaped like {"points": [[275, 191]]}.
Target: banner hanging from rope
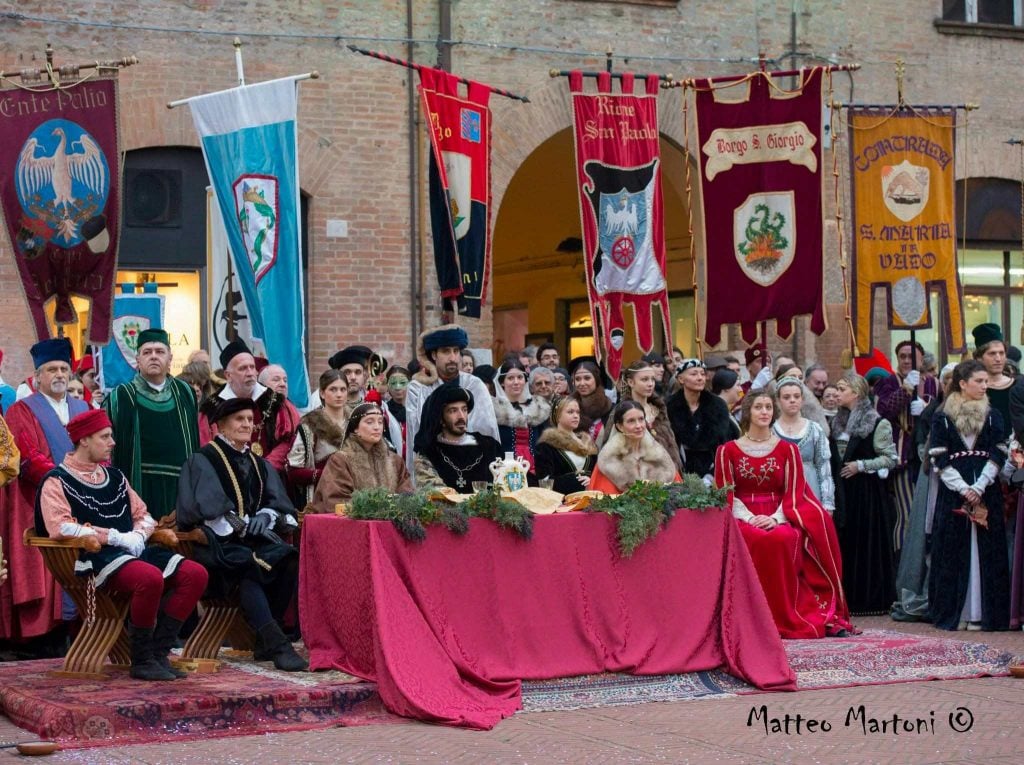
{"points": [[904, 232], [249, 138], [60, 193], [460, 187], [618, 168], [760, 166]]}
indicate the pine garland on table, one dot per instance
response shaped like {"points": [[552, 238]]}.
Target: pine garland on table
{"points": [[410, 513], [645, 507], [507, 513]]}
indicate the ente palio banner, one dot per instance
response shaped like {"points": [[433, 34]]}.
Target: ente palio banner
{"points": [[60, 192], [904, 232], [460, 187], [618, 168], [760, 168], [249, 139]]}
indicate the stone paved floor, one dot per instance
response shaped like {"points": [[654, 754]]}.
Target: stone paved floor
{"points": [[709, 731]]}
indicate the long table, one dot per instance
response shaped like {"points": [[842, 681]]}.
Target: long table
{"points": [[449, 626]]}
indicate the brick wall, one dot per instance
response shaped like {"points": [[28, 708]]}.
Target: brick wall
{"points": [[355, 124]]}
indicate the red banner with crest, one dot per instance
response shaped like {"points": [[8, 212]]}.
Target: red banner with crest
{"points": [[460, 188], [618, 166], [60, 194], [760, 165]]}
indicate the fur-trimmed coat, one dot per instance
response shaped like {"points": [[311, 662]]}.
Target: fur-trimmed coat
{"points": [[661, 429], [426, 380], [623, 467], [355, 467], [317, 439], [532, 415], [700, 433], [552, 462]]}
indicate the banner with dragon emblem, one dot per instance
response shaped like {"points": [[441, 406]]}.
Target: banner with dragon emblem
{"points": [[762, 212], [249, 140], [60, 194], [618, 165], [904, 232], [133, 313], [460, 188]]}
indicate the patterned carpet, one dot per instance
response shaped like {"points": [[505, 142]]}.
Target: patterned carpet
{"points": [[244, 698], [230, 702], [872, 658]]}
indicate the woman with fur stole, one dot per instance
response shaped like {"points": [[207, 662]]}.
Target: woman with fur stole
{"points": [[564, 453], [639, 382], [321, 433], [969, 586], [363, 462], [631, 453], [519, 417]]}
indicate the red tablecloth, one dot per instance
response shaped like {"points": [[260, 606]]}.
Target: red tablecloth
{"points": [[448, 627]]}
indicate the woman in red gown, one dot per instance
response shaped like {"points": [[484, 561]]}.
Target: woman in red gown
{"points": [[790, 537]]}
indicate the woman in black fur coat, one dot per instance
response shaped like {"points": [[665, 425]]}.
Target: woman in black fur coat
{"points": [[700, 420]]}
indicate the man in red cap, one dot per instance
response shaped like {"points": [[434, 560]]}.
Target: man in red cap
{"points": [[759, 367], [85, 371], [82, 498], [30, 603]]}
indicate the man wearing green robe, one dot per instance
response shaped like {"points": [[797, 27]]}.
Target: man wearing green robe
{"points": [[156, 425]]}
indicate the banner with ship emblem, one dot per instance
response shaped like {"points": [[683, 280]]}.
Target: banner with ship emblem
{"points": [[249, 139], [760, 168], [460, 187], [618, 167], [60, 194], [904, 232], [133, 313]]}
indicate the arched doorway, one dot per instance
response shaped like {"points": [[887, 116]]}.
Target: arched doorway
{"points": [[539, 281]]}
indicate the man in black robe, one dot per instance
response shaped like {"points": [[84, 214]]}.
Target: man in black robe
{"points": [[446, 453], [240, 503]]}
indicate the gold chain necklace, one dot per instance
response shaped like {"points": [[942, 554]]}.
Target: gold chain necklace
{"points": [[234, 479]]}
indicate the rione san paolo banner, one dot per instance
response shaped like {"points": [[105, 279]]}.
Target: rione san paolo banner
{"points": [[618, 167], [760, 168], [904, 213], [60, 192]]}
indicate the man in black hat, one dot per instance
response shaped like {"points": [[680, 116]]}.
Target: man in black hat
{"points": [[447, 454], [278, 420], [156, 425], [439, 353], [241, 505]]}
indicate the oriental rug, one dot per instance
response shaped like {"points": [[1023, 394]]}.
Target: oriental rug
{"points": [[875, 657], [244, 699], [230, 702]]}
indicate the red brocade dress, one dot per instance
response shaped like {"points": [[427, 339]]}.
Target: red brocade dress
{"points": [[798, 561]]}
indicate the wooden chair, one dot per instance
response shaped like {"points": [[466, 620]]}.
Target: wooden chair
{"points": [[221, 618], [104, 637]]}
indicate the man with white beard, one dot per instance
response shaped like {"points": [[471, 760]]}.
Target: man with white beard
{"points": [[37, 425]]}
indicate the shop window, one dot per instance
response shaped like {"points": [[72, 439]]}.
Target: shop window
{"points": [[982, 11]]}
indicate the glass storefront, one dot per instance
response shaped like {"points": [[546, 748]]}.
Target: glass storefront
{"points": [[992, 280]]}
